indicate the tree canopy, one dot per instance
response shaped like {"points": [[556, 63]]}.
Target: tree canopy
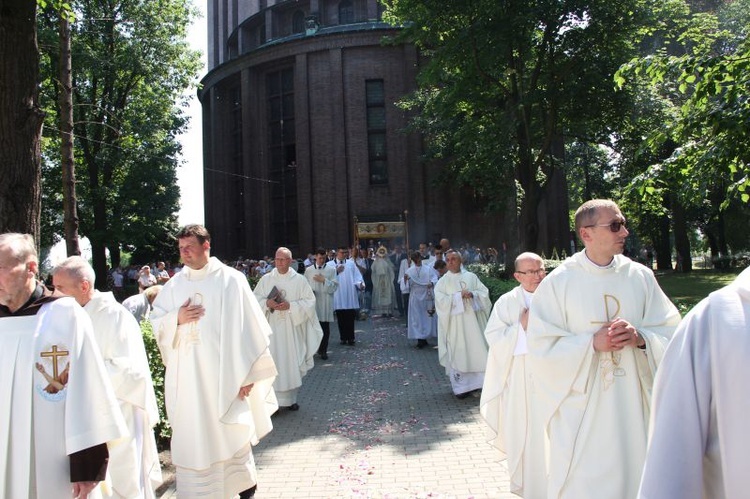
{"points": [[697, 149], [506, 84], [131, 69]]}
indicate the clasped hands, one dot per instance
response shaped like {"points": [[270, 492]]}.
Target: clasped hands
{"points": [[274, 305], [616, 335]]}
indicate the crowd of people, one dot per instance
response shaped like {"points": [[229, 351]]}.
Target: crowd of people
{"points": [[582, 374]]}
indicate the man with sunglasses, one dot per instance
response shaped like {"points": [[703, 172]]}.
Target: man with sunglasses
{"points": [[597, 331], [507, 399]]}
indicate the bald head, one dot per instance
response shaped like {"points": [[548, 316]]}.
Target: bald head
{"points": [[528, 256], [529, 271]]}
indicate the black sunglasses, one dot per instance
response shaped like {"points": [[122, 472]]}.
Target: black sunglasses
{"points": [[613, 226]]}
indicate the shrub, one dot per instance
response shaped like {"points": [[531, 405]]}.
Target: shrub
{"points": [[498, 287], [162, 430]]}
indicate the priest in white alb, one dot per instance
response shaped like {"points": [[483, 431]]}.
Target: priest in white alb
{"points": [[59, 411], [598, 328], [134, 460], [289, 304], [698, 439], [507, 403], [463, 305], [218, 386], [421, 320]]}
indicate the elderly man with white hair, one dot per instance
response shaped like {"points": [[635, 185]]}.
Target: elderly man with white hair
{"points": [[135, 466], [289, 304], [58, 407], [463, 305]]}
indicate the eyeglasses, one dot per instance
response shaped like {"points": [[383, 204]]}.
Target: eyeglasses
{"points": [[613, 226], [537, 272]]}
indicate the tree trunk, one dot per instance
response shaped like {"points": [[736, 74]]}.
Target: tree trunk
{"points": [[99, 238], [554, 224], [115, 255], [20, 119], [511, 240], [70, 220], [681, 240], [723, 261], [662, 246]]}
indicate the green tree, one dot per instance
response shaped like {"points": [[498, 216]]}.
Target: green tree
{"points": [[506, 84], [131, 68], [704, 169]]}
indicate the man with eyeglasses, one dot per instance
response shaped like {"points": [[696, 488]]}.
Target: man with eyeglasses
{"points": [[506, 403], [597, 331]]}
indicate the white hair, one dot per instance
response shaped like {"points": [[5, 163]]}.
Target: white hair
{"points": [[78, 268], [20, 246]]}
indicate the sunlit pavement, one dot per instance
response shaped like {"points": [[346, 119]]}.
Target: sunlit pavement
{"points": [[378, 420]]}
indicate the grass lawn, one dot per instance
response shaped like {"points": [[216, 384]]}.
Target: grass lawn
{"points": [[686, 290]]}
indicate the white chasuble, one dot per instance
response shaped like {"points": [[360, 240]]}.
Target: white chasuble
{"points": [[595, 406], [56, 397], [698, 440], [207, 362], [461, 343], [134, 461], [507, 402], [296, 332]]}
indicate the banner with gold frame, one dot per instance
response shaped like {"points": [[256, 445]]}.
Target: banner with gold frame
{"points": [[380, 230]]}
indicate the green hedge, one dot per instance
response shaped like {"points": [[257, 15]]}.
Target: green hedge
{"points": [[163, 431], [498, 287]]}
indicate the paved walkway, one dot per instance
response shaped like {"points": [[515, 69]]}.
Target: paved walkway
{"points": [[378, 420]]}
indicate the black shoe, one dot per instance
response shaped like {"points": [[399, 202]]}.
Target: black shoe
{"points": [[294, 407], [462, 396], [422, 344], [324, 356], [344, 342], [247, 494], [350, 343]]}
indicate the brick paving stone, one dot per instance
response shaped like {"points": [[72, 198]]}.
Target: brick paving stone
{"points": [[378, 420]]}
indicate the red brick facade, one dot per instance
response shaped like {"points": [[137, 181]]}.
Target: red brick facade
{"points": [[286, 144]]}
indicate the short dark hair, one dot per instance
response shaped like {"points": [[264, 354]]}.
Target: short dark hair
{"points": [[197, 230], [416, 255], [321, 251]]}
